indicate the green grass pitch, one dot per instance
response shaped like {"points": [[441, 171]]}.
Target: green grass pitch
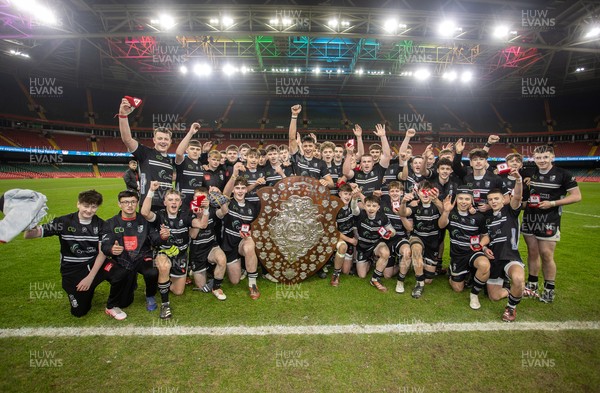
{"points": [[31, 296]]}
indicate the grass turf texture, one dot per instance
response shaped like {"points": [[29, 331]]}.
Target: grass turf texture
{"points": [[31, 295]]}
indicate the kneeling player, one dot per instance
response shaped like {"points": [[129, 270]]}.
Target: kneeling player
{"points": [[171, 258], [204, 248], [347, 241], [424, 240], [398, 244], [503, 229], [374, 229], [237, 241], [466, 244], [80, 254]]}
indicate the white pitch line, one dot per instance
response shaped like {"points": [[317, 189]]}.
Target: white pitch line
{"points": [[591, 226], [281, 330], [581, 214]]}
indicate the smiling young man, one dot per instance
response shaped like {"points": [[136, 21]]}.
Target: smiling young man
{"points": [[171, 257], [503, 252], [304, 163], [468, 234], [154, 163], [346, 242], [237, 216], [127, 238], [550, 188], [370, 176], [190, 173], [81, 259]]}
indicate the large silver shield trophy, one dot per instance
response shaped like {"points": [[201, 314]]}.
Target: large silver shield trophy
{"points": [[295, 232]]}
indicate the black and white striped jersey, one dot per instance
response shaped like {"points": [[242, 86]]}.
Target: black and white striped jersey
{"points": [[153, 166]]}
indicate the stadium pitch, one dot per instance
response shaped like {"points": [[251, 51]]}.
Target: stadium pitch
{"points": [[286, 346]]}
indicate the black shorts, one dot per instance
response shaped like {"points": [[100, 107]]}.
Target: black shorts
{"points": [[365, 254], [199, 260], [460, 265], [430, 250], [232, 256], [499, 271], [179, 265], [544, 226], [394, 244]]}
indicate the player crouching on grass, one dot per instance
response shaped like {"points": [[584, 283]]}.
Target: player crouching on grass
{"points": [[127, 239], [467, 238], [81, 259], [171, 259], [346, 241], [204, 248], [503, 251], [374, 229], [237, 241], [424, 241]]}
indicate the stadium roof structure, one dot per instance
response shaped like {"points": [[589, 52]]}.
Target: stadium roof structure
{"points": [[329, 48]]}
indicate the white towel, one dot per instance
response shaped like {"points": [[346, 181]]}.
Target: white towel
{"points": [[23, 210]]}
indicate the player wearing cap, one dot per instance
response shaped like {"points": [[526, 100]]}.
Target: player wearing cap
{"points": [[550, 188], [468, 234]]}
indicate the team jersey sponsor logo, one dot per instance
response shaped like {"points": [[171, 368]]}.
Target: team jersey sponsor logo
{"points": [[130, 243]]}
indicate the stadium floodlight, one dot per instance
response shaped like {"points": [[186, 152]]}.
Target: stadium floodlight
{"points": [[286, 21], [390, 25], [39, 12], [333, 23], [345, 23], [244, 69], [360, 71], [466, 76], [183, 69], [422, 74], [274, 21], [229, 70], [580, 69], [339, 71], [227, 21], [594, 31], [166, 21], [449, 76], [18, 53], [501, 31], [317, 70], [214, 21], [448, 28], [296, 69], [202, 69]]}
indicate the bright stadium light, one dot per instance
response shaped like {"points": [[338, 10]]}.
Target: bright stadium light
{"points": [[202, 69], [227, 21], [166, 21], [183, 69], [360, 71], [501, 31], [422, 74], [38, 11], [593, 32], [466, 77], [448, 28], [317, 70], [332, 23], [449, 76], [229, 70], [390, 25]]}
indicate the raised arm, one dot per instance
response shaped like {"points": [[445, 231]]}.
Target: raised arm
{"points": [[359, 141], [293, 143], [517, 197], [384, 161], [492, 139], [183, 145], [347, 168], [124, 129], [443, 221], [236, 172], [404, 146], [146, 209]]}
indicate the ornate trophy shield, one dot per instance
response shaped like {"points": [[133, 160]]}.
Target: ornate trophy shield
{"points": [[295, 232]]}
